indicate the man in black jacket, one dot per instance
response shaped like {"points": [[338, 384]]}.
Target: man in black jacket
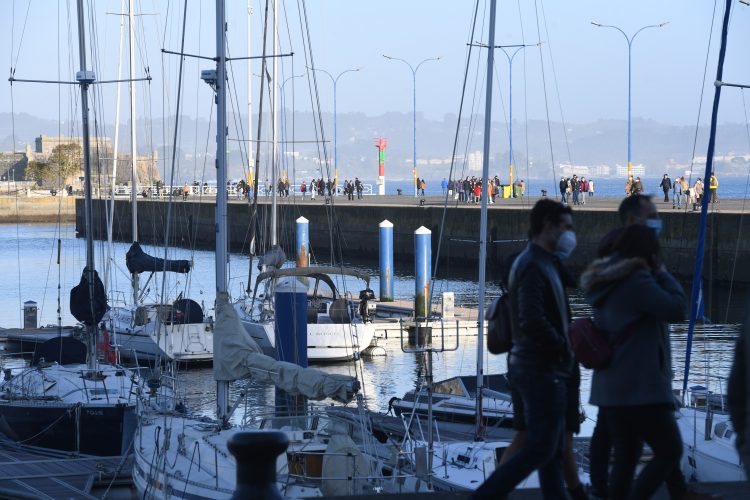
{"points": [[540, 360], [666, 185]]}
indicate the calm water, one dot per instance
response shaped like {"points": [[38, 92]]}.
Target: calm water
{"points": [[29, 256]]}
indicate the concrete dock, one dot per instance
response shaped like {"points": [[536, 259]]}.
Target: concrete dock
{"points": [[355, 233]]}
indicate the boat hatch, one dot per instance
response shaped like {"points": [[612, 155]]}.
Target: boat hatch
{"points": [[453, 386]]}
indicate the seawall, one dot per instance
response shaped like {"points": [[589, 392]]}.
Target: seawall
{"points": [[354, 234], [37, 209]]}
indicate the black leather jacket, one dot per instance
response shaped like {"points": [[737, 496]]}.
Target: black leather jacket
{"points": [[539, 312]]}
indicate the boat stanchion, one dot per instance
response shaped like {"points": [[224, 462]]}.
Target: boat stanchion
{"points": [[256, 453]]}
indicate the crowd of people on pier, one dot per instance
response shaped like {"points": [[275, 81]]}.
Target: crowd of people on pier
{"points": [[575, 190], [633, 298]]}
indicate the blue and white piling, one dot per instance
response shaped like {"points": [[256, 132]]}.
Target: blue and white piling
{"points": [[386, 261], [422, 271], [290, 308], [302, 247]]}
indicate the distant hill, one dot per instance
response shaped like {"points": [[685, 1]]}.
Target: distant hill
{"points": [[656, 145]]}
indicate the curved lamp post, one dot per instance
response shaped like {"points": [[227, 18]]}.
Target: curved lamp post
{"points": [[335, 81], [629, 39], [414, 70]]}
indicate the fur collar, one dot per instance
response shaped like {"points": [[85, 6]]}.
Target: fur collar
{"points": [[609, 270]]}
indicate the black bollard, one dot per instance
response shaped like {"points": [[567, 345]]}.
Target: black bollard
{"points": [[255, 453]]}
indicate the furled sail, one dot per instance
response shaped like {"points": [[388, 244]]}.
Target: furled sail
{"points": [[238, 356], [139, 261]]}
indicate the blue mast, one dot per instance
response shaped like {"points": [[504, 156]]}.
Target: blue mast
{"points": [[694, 296]]}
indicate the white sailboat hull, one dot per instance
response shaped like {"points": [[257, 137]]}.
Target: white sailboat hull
{"points": [[189, 342], [326, 342], [713, 460]]}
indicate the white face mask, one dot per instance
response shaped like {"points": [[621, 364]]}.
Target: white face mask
{"points": [[654, 224], [565, 244]]}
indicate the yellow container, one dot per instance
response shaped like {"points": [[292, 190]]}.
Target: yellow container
{"points": [[506, 190]]}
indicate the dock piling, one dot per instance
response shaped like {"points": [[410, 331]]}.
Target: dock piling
{"points": [[386, 261], [302, 247], [422, 271]]}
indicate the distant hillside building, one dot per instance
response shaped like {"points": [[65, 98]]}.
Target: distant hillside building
{"points": [[45, 144], [638, 170], [13, 166]]}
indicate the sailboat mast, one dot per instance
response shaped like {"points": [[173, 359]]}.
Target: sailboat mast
{"points": [[700, 248], [250, 88], [483, 219], [222, 387], [85, 78], [111, 222], [273, 88], [133, 148]]}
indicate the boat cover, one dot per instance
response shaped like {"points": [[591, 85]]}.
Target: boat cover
{"points": [[238, 356], [139, 261], [82, 305]]}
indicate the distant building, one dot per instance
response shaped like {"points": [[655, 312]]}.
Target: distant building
{"points": [[474, 161], [622, 171], [45, 144], [13, 166]]}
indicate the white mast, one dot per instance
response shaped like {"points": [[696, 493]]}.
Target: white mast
{"points": [[111, 223], [483, 219], [250, 88], [222, 387], [133, 149], [274, 114]]}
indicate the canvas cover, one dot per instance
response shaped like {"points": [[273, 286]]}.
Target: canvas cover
{"points": [[238, 356]]}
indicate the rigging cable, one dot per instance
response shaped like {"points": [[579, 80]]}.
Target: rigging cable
{"points": [[544, 87]]}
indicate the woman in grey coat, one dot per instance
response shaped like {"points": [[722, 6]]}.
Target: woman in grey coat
{"points": [[634, 297]]}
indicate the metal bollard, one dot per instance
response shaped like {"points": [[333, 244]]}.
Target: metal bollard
{"points": [[255, 453]]}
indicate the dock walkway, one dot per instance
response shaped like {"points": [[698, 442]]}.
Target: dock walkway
{"points": [[36, 473]]}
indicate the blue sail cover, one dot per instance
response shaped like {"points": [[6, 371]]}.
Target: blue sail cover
{"points": [[139, 261]]}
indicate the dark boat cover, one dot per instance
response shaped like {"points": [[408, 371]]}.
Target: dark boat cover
{"points": [[139, 261], [82, 305], [63, 350]]}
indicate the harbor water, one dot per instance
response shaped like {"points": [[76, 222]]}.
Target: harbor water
{"points": [[29, 254]]}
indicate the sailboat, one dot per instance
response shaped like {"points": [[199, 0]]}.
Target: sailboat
{"points": [[337, 330], [154, 331], [179, 455], [710, 452], [70, 400]]}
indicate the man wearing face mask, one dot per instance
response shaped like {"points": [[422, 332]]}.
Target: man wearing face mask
{"points": [[540, 361]]}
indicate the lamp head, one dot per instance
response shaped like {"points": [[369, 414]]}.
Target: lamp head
{"points": [[598, 25]]}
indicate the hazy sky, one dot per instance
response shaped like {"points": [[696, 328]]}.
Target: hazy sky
{"points": [[588, 64]]}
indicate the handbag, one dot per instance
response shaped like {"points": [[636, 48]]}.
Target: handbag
{"points": [[499, 329], [591, 345]]}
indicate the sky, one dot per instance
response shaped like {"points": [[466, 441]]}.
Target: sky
{"points": [[584, 67]]}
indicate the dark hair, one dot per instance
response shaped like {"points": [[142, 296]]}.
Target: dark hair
{"points": [[632, 206], [546, 210], [637, 241]]}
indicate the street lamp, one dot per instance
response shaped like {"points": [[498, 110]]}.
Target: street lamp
{"points": [[630, 46], [283, 121], [414, 92], [510, 56], [335, 81]]}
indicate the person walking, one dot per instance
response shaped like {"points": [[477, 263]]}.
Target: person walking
{"points": [[444, 186], [423, 186], [666, 186], [698, 189], [540, 360], [676, 193], [303, 189], [576, 187], [633, 297], [563, 189], [713, 188]]}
